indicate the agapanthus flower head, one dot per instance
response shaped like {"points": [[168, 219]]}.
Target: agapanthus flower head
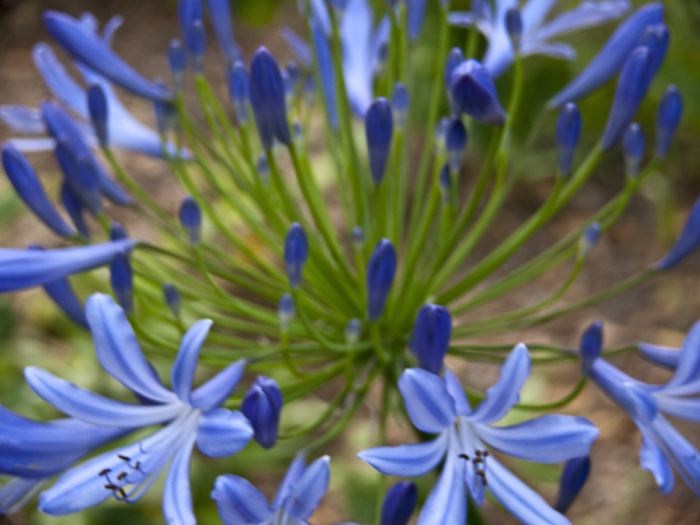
{"points": [[379, 130], [687, 242], [268, 100], [262, 405], [399, 503], [667, 119], [431, 336], [572, 480], [296, 251], [455, 143], [568, 134], [474, 94], [381, 270], [633, 147], [191, 219], [99, 113]]}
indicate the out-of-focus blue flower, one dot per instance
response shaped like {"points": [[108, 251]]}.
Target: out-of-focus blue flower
{"points": [[239, 90], [184, 417], [687, 241], [573, 478], [172, 298], [285, 311], [400, 101], [268, 100], [262, 405], [79, 176], [416, 16], [353, 330], [633, 146], [663, 447], [431, 337], [301, 491], [612, 56], [99, 113], [590, 237], [191, 219], [296, 251], [514, 27], [324, 59], [664, 356], [455, 143], [667, 119], [220, 15], [537, 34], [177, 60], [399, 503], [20, 269], [473, 93], [439, 406], [379, 130], [380, 276], [568, 134], [196, 43]]}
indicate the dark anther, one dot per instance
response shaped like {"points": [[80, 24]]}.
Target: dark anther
{"points": [[123, 458], [111, 486], [105, 471], [464, 456], [121, 476], [137, 466], [125, 497]]}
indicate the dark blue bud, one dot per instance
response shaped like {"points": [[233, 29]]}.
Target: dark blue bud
{"points": [[187, 11], [632, 86], [172, 298], [656, 38], [633, 146], [285, 311], [399, 503], [455, 143], [473, 93], [568, 133], [220, 15], [573, 478], [590, 237], [117, 232], [379, 128], [687, 242], [400, 101], [454, 59], [296, 250], [29, 188], [99, 113], [196, 43], [80, 178], [122, 280], [353, 330], [514, 26], [75, 209], [445, 182], [431, 337], [177, 59], [263, 168], [191, 219], [267, 99], [667, 119], [262, 405], [380, 276], [358, 236], [591, 345]]}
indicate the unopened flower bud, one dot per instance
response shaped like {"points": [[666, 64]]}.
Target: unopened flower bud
{"points": [[296, 251], [379, 128], [431, 337], [380, 276], [262, 405]]}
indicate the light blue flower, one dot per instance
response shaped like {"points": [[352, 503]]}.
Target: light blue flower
{"points": [[537, 34], [183, 416], [438, 406], [664, 449], [301, 491]]}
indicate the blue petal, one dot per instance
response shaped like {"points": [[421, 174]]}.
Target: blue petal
{"points": [[220, 15], [298, 46], [177, 497], [447, 502], [587, 14], [291, 478], [324, 60], [612, 381], [118, 351], [689, 361], [534, 13], [16, 492], [215, 391], [573, 478], [223, 432], [356, 37], [416, 15], [186, 361], [63, 295], [33, 145], [660, 355], [682, 407], [93, 408], [546, 439], [519, 499], [454, 388], [652, 459], [461, 19], [430, 407], [407, 460], [23, 119], [506, 392], [684, 457], [21, 269], [309, 490], [239, 502], [59, 81], [687, 241]]}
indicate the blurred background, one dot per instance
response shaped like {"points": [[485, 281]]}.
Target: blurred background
{"points": [[32, 331]]}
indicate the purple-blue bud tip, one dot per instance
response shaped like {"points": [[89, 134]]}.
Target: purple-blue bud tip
{"points": [[591, 345], [687, 242], [379, 128], [514, 26], [400, 100], [656, 38], [191, 219], [263, 168], [262, 405], [399, 503], [196, 42], [117, 232], [454, 59], [285, 311], [455, 143], [633, 146], [590, 237], [121, 278], [667, 119], [474, 93], [177, 59], [572, 480], [172, 298], [568, 134], [268, 99], [431, 337], [296, 251], [358, 236], [380, 276], [353, 330], [99, 112]]}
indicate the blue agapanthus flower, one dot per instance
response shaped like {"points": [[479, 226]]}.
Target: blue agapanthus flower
{"points": [[300, 492], [537, 33], [184, 417], [438, 406], [664, 449]]}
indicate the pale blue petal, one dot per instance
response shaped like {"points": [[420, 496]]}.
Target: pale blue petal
{"points": [[220, 16], [177, 497], [519, 499], [187, 357], [324, 59], [33, 145], [118, 351], [407, 460], [534, 13], [546, 439], [652, 459], [689, 361], [110, 29], [430, 407], [93, 408], [298, 46], [505, 393], [499, 54], [239, 502], [307, 493], [320, 13], [684, 457], [356, 35], [16, 493], [447, 502], [454, 388], [612, 381], [62, 293], [215, 391], [222, 433], [59, 81], [553, 49], [23, 119], [683, 407], [461, 19], [660, 355], [588, 14], [293, 475]]}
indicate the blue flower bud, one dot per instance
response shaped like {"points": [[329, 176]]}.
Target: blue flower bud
{"points": [[400, 101], [285, 311], [656, 38], [75, 209], [80, 178], [177, 59], [573, 478], [239, 90], [568, 133], [358, 236], [263, 168], [352, 331], [473, 93], [399, 503], [667, 119], [633, 146], [687, 242], [416, 16], [431, 337], [324, 60], [99, 113], [196, 43], [296, 250], [117, 232], [191, 219], [380, 276], [29, 188], [632, 86], [262, 406], [379, 128], [220, 15], [590, 237], [445, 182], [441, 130], [187, 11], [454, 59], [455, 143], [267, 99], [121, 278], [591, 345], [514, 26], [172, 298]]}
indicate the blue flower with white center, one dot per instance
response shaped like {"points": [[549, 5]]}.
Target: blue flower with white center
{"points": [[664, 449], [438, 406], [184, 417], [537, 34], [301, 491]]}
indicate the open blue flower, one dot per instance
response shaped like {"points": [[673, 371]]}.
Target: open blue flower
{"points": [[184, 417], [438, 406], [537, 34], [300, 492], [664, 449]]}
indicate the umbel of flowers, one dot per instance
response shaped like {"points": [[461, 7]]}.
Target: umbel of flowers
{"points": [[257, 270]]}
